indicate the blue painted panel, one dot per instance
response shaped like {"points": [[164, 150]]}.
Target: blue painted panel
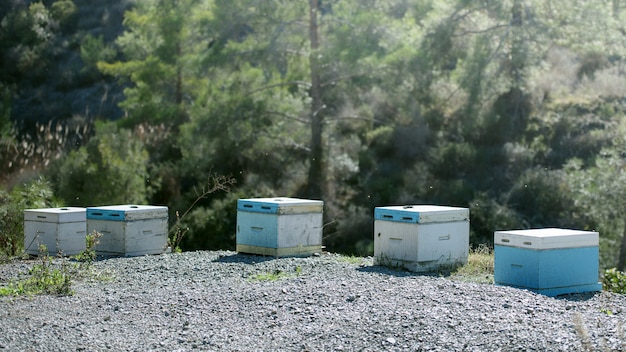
{"points": [[106, 214], [548, 270], [257, 229], [396, 215], [257, 206]]}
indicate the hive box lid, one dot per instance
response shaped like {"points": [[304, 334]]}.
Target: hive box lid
{"points": [[126, 212], [280, 205], [421, 213], [548, 238], [65, 214]]}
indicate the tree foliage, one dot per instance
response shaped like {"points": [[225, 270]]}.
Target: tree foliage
{"points": [[507, 107], [111, 169]]}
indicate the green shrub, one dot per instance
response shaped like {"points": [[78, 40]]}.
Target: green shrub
{"points": [[33, 195], [43, 279], [614, 281], [111, 169]]}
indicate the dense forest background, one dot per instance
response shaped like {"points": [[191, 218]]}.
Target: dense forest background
{"points": [[512, 108]]}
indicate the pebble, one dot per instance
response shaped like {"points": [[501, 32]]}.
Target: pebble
{"points": [[205, 300]]}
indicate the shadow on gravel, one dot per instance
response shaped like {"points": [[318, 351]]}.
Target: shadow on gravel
{"points": [[243, 258], [379, 269], [578, 297]]}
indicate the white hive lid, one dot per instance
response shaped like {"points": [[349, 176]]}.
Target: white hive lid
{"points": [[421, 213], [60, 215], [547, 238], [280, 205]]}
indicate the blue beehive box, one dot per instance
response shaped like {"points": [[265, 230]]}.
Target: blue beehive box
{"points": [[549, 261], [421, 238], [279, 226], [129, 230]]}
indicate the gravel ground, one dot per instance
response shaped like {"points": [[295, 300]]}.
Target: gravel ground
{"points": [[222, 301]]}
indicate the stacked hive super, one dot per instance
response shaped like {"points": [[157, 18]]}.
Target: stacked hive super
{"points": [[549, 261], [279, 226], [421, 238], [129, 230], [61, 230]]}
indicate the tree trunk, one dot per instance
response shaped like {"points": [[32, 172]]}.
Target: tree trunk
{"points": [[316, 166], [622, 252]]}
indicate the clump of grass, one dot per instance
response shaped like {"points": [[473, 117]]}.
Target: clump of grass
{"points": [[43, 279], [352, 259], [275, 275], [89, 254], [614, 280], [479, 267]]}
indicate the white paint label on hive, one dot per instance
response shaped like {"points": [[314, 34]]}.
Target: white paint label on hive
{"points": [[548, 238]]}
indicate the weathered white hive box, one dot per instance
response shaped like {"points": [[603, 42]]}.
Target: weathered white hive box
{"points": [[129, 230], [279, 226], [549, 261], [61, 230], [421, 238]]}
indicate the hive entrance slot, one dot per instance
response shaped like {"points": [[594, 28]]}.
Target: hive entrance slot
{"points": [[407, 218]]}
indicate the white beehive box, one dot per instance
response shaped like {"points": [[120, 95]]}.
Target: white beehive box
{"points": [[421, 238], [550, 261], [279, 226], [61, 230], [129, 230]]}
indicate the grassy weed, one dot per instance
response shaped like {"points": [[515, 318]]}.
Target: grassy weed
{"points": [[46, 278], [479, 267], [43, 279], [275, 275]]}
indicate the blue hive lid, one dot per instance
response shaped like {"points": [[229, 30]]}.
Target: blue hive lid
{"points": [[280, 205], [126, 212], [421, 214]]}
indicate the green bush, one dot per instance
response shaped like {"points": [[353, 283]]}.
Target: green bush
{"points": [[211, 227], [614, 281], [43, 279], [33, 195], [111, 169]]}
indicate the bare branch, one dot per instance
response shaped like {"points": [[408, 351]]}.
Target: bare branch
{"points": [[288, 116], [281, 84]]}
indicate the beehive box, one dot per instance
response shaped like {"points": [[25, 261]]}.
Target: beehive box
{"points": [[61, 230], [421, 238], [549, 261], [279, 226], [129, 230]]}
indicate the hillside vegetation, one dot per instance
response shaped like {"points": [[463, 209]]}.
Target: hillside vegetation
{"points": [[514, 109]]}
